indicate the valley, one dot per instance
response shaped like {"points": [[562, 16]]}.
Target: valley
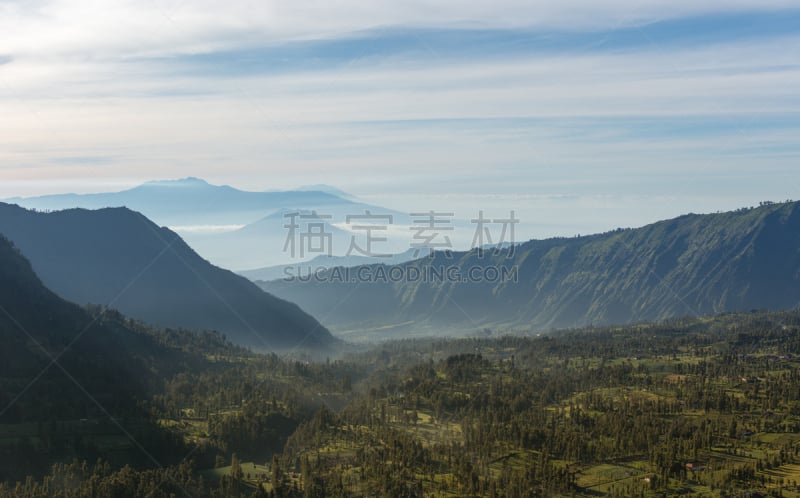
{"points": [[427, 249]]}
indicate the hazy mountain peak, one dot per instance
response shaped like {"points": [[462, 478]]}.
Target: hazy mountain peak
{"points": [[328, 189], [189, 181], [191, 201]]}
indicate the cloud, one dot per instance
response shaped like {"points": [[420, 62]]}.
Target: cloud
{"points": [[126, 28], [552, 99], [82, 160], [564, 104]]}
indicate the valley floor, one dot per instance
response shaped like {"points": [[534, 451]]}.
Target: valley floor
{"points": [[695, 407]]}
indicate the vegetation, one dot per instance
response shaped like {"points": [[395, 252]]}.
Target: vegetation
{"points": [[693, 264], [700, 407], [96, 404], [118, 257]]}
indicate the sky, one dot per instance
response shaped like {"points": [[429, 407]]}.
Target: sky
{"points": [[581, 116]]}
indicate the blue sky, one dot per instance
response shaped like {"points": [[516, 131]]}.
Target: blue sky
{"points": [[581, 116]]}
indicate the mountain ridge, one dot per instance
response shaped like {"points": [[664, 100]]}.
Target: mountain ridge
{"points": [[233, 228], [117, 257], [690, 265], [186, 201]]}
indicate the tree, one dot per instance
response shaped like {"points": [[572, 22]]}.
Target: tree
{"points": [[236, 468], [276, 472]]}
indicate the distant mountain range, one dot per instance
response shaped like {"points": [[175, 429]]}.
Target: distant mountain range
{"points": [[324, 262], [265, 241], [192, 201], [691, 265], [119, 258], [232, 228]]}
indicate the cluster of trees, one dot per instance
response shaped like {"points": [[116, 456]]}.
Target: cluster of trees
{"points": [[80, 480], [666, 395], [509, 416]]}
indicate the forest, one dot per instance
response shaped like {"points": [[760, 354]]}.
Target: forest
{"points": [[694, 406]]}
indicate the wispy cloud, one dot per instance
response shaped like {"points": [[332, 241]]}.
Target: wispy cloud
{"points": [[579, 99], [96, 28]]}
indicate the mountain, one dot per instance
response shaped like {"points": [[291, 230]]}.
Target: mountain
{"points": [[119, 258], [232, 228], [71, 376], [101, 370], [99, 354], [264, 241], [321, 187], [192, 202], [324, 262], [691, 265], [35, 327]]}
